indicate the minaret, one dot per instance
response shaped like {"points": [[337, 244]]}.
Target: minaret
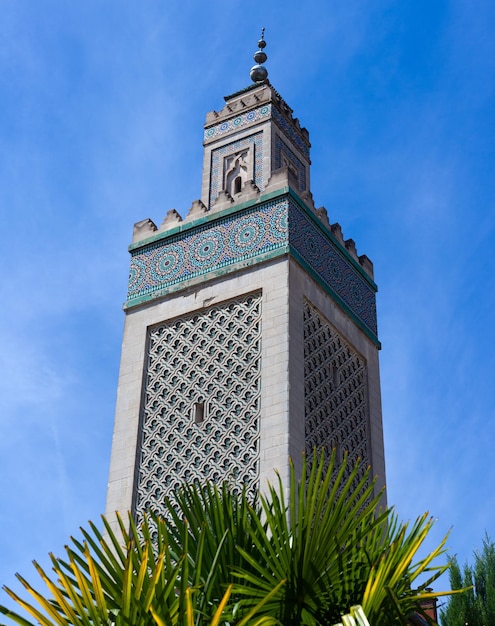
{"points": [[250, 326]]}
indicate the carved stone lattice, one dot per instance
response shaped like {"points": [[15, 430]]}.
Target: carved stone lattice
{"points": [[201, 403], [336, 395]]}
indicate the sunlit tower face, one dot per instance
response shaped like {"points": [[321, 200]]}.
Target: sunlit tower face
{"points": [[250, 332]]}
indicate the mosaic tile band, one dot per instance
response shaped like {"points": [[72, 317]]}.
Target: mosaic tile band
{"points": [[208, 248], [290, 131], [253, 117], [322, 256], [240, 121], [253, 233]]}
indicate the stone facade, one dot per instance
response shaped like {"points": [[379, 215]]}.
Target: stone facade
{"points": [[251, 331]]}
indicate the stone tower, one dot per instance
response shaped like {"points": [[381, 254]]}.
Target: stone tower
{"points": [[250, 328]]}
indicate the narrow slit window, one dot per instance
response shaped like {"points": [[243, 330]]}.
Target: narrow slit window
{"points": [[338, 452], [335, 376], [199, 412], [238, 184]]}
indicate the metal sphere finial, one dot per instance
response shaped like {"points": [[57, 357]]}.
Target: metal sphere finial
{"points": [[259, 73]]}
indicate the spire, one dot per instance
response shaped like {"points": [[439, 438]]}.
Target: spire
{"points": [[258, 72]]}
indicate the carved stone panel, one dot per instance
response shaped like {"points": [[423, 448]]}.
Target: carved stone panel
{"points": [[336, 393], [201, 401]]}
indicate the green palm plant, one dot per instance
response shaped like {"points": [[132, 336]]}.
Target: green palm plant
{"points": [[219, 523], [140, 583], [396, 582], [307, 544], [219, 558], [325, 549], [334, 549]]}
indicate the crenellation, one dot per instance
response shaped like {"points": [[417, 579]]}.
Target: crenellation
{"points": [[198, 209], [171, 219], [283, 104], [143, 229], [249, 191], [278, 180], [307, 197], [322, 213], [366, 264], [337, 232], [350, 246], [263, 93], [223, 201]]}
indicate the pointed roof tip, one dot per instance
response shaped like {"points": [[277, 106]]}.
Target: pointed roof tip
{"points": [[258, 72]]}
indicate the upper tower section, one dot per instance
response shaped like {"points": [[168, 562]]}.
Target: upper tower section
{"points": [[254, 135], [255, 206]]}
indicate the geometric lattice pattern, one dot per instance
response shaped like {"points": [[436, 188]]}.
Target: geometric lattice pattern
{"points": [[336, 395], [201, 402]]}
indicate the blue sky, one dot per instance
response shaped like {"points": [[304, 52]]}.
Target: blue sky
{"points": [[101, 113]]}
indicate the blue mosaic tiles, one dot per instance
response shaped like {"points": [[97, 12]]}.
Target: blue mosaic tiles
{"points": [[291, 132], [281, 150], [255, 142], [255, 232], [322, 256], [256, 115], [208, 248]]}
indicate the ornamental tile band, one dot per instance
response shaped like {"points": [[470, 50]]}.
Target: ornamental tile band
{"points": [[245, 119], [249, 234], [323, 258], [209, 248], [254, 116]]}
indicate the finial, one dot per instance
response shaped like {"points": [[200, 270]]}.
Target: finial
{"points": [[258, 72]]}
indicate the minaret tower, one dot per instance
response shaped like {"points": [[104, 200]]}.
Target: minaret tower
{"points": [[250, 326]]}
